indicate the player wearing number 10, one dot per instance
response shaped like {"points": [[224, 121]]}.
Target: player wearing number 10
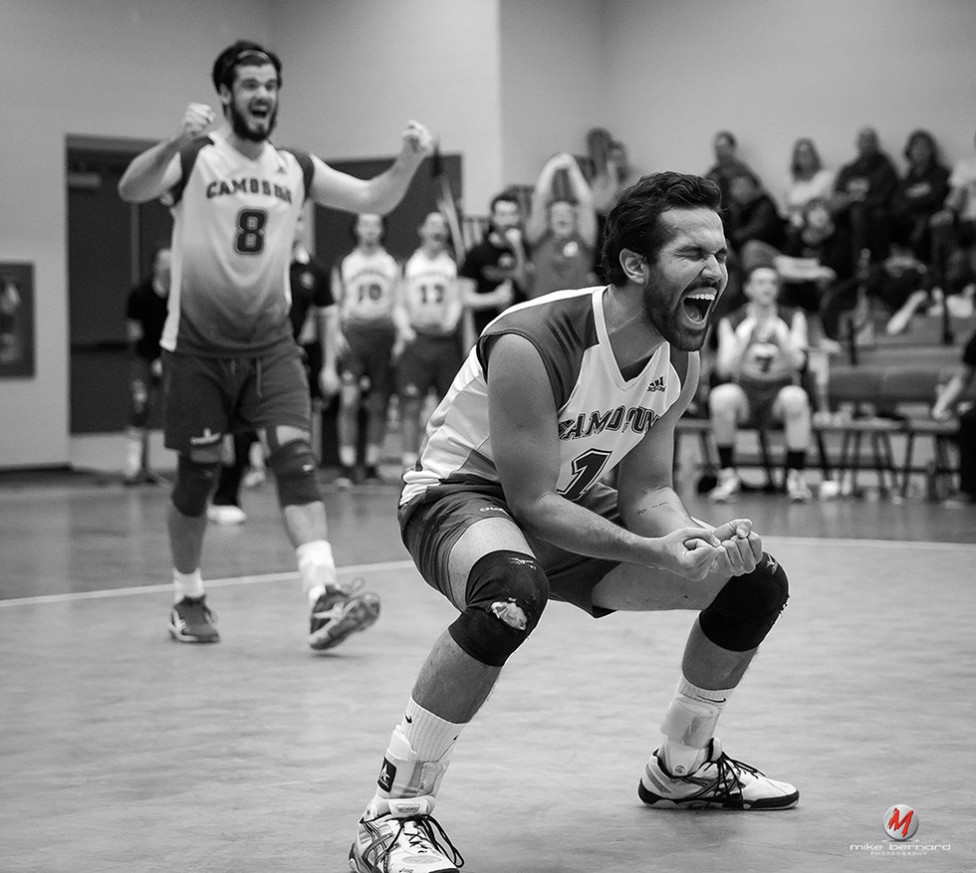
{"points": [[506, 510], [230, 362]]}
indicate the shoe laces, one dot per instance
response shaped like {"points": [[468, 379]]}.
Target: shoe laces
{"points": [[336, 594], [425, 832], [728, 779]]}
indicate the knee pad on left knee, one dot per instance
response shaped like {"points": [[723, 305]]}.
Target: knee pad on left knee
{"points": [[293, 465], [506, 594], [746, 609]]}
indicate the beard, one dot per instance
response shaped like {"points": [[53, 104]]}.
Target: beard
{"points": [[670, 322], [240, 126]]}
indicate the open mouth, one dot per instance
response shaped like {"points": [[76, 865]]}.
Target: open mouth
{"points": [[697, 304]]}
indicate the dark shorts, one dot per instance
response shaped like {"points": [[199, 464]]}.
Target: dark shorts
{"points": [[370, 356], [209, 397], [428, 362], [433, 523], [761, 397]]}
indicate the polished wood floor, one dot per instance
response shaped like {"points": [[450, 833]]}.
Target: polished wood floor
{"points": [[122, 751]]}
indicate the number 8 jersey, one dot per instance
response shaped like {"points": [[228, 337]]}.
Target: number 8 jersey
{"points": [[601, 415], [234, 223]]}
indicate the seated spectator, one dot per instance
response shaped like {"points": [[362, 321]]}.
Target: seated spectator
{"points": [[727, 166], [817, 265], [561, 233], [945, 406], [809, 180], [757, 218], [954, 231], [762, 352], [862, 196], [919, 195]]}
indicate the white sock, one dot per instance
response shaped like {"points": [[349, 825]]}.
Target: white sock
{"points": [[688, 726], [187, 585], [317, 567], [429, 735], [347, 456], [372, 455]]}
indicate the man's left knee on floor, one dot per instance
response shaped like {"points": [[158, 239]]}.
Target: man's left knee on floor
{"points": [[746, 609], [294, 468]]}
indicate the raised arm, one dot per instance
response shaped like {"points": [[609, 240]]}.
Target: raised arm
{"points": [[536, 224], [525, 443], [378, 195], [585, 211], [152, 173]]}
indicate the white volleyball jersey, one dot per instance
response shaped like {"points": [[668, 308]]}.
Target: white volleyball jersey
{"points": [[368, 288], [234, 222], [430, 287], [601, 415]]}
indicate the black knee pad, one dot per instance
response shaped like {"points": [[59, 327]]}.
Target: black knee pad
{"points": [[293, 465], [505, 596], [746, 609], [195, 483]]}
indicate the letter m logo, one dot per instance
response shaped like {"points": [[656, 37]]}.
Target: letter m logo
{"points": [[897, 823]]}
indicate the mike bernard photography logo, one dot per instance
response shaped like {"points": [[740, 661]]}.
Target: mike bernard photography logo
{"points": [[900, 824]]}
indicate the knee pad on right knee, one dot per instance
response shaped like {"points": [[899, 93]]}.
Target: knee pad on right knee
{"points": [[195, 483], [505, 596]]}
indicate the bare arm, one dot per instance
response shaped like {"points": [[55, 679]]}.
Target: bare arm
{"points": [[156, 170], [535, 225], [327, 318], [524, 438], [585, 211], [954, 389], [379, 195]]}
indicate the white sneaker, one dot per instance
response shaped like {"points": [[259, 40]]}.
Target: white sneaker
{"points": [[796, 487], [719, 783], [226, 514], [407, 839], [729, 484]]}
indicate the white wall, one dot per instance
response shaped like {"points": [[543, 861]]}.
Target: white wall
{"points": [[774, 70]]}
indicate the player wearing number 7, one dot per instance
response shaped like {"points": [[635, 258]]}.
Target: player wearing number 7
{"points": [[507, 509], [229, 358]]}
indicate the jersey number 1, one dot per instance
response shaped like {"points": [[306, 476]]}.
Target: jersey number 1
{"points": [[586, 469]]}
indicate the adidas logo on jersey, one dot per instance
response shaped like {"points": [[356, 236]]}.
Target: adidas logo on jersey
{"points": [[657, 384]]}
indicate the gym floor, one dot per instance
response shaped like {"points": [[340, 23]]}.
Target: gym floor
{"points": [[123, 751]]}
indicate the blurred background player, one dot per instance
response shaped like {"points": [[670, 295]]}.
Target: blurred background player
{"points": [[496, 269], [762, 351], [428, 353], [232, 363], [145, 316], [561, 229], [364, 287]]}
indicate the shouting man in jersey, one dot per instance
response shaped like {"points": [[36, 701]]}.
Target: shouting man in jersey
{"points": [[507, 509], [231, 363]]}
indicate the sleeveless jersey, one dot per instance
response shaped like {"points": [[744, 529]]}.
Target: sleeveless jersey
{"points": [[234, 221], [601, 415], [427, 282], [368, 284], [764, 362]]}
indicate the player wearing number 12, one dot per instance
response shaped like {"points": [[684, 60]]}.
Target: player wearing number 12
{"points": [[507, 510], [230, 360]]}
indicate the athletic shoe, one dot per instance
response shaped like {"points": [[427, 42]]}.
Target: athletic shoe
{"points": [[346, 477], [729, 484], [719, 783], [339, 612], [414, 843], [192, 621], [796, 487], [226, 513]]}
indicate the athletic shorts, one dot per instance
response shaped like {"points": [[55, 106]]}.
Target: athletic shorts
{"points": [[762, 396], [428, 362], [370, 356], [433, 522], [206, 398]]}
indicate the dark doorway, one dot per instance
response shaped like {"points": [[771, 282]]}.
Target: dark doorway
{"points": [[110, 247]]}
